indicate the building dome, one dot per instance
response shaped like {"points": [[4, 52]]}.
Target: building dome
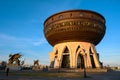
{"points": [[75, 26]]}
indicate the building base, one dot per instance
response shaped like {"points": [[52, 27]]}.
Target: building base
{"points": [[74, 55]]}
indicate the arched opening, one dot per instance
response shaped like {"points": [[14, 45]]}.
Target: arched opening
{"points": [[56, 53], [55, 60], [65, 61], [66, 58], [92, 59], [80, 61], [66, 50], [77, 48], [52, 64]]}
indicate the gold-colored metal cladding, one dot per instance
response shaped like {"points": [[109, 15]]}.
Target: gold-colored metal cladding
{"points": [[75, 25]]}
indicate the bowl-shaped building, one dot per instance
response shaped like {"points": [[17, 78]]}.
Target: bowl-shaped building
{"points": [[75, 25]]}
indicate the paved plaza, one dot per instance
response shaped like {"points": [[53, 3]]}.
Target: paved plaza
{"points": [[35, 75]]}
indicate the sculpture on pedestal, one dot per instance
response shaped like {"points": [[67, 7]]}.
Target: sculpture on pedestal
{"points": [[36, 65], [14, 62], [36, 62], [14, 58]]}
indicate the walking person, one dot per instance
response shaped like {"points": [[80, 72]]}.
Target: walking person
{"points": [[7, 71]]}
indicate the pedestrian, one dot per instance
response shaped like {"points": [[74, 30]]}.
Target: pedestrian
{"points": [[7, 71]]}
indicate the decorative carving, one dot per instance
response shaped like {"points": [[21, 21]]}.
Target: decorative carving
{"points": [[78, 24]]}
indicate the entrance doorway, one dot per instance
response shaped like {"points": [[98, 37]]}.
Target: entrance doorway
{"points": [[65, 61], [80, 61], [65, 58]]}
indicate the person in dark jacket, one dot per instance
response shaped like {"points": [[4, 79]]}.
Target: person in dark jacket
{"points": [[7, 71]]}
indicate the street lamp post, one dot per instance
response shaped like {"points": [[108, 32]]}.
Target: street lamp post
{"points": [[59, 66], [85, 75]]}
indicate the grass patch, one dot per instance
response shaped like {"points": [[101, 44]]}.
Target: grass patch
{"points": [[46, 74]]}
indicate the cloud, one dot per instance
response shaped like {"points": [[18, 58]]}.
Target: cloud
{"points": [[29, 47], [39, 42], [8, 40]]}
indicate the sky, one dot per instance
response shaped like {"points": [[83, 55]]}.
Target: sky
{"points": [[21, 28]]}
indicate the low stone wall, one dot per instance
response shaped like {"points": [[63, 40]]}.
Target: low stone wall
{"points": [[77, 70]]}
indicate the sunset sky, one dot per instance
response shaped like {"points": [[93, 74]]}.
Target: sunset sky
{"points": [[21, 28]]}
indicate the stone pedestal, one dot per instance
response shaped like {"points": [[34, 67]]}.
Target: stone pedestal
{"points": [[14, 67], [36, 68]]}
